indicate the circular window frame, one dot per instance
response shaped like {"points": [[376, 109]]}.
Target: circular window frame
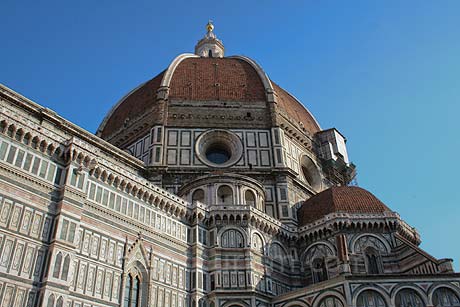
{"points": [[219, 138]]}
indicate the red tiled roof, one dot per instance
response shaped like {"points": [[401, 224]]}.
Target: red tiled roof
{"points": [[339, 199], [207, 79], [224, 79], [134, 105], [295, 109]]}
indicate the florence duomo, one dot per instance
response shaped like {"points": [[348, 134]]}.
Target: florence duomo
{"points": [[208, 185]]}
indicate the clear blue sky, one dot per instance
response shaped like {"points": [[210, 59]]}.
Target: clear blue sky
{"points": [[385, 73]]}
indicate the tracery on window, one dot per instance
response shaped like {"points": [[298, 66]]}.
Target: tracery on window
{"points": [[445, 297], [57, 265], [319, 270], [370, 298], [372, 259], [408, 298], [330, 301], [231, 238], [132, 291]]}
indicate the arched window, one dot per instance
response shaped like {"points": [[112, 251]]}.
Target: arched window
{"points": [[330, 301], [65, 268], [372, 260], [278, 254], [370, 298], [59, 302], [231, 239], [408, 298], [249, 198], [258, 243], [50, 301], [57, 265], [198, 195], [133, 290], [310, 172], [319, 270], [135, 293], [129, 282], [445, 297], [225, 195]]}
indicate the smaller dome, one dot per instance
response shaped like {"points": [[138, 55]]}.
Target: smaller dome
{"points": [[342, 199]]}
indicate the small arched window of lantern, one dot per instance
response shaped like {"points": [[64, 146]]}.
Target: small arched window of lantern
{"points": [[250, 198], [225, 195], [231, 238], [330, 301], [198, 196], [372, 258], [408, 298], [369, 298], [132, 291], [319, 270], [445, 297]]}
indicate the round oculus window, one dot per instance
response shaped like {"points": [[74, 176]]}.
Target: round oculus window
{"points": [[219, 148]]}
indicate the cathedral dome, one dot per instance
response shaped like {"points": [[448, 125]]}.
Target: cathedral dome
{"points": [[193, 78], [340, 199], [206, 76]]}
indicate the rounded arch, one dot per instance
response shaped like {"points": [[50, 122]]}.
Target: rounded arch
{"points": [[370, 298], [250, 198], [235, 304], [439, 287], [319, 248], [231, 228], [224, 194], [386, 297], [279, 253], [310, 171], [257, 242], [358, 243], [329, 294], [296, 304], [198, 195], [406, 289]]}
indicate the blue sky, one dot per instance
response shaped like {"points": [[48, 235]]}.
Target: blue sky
{"points": [[385, 73]]}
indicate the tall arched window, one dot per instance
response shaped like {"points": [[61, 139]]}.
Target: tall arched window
{"points": [[65, 268], [60, 302], [57, 265], [330, 301], [198, 195], [370, 298], [232, 239], [445, 297], [408, 298], [135, 293], [249, 198], [129, 282], [225, 195], [132, 291], [50, 301], [372, 260], [319, 270]]}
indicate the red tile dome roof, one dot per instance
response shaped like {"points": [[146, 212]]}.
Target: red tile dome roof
{"points": [[206, 79], [344, 199]]}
